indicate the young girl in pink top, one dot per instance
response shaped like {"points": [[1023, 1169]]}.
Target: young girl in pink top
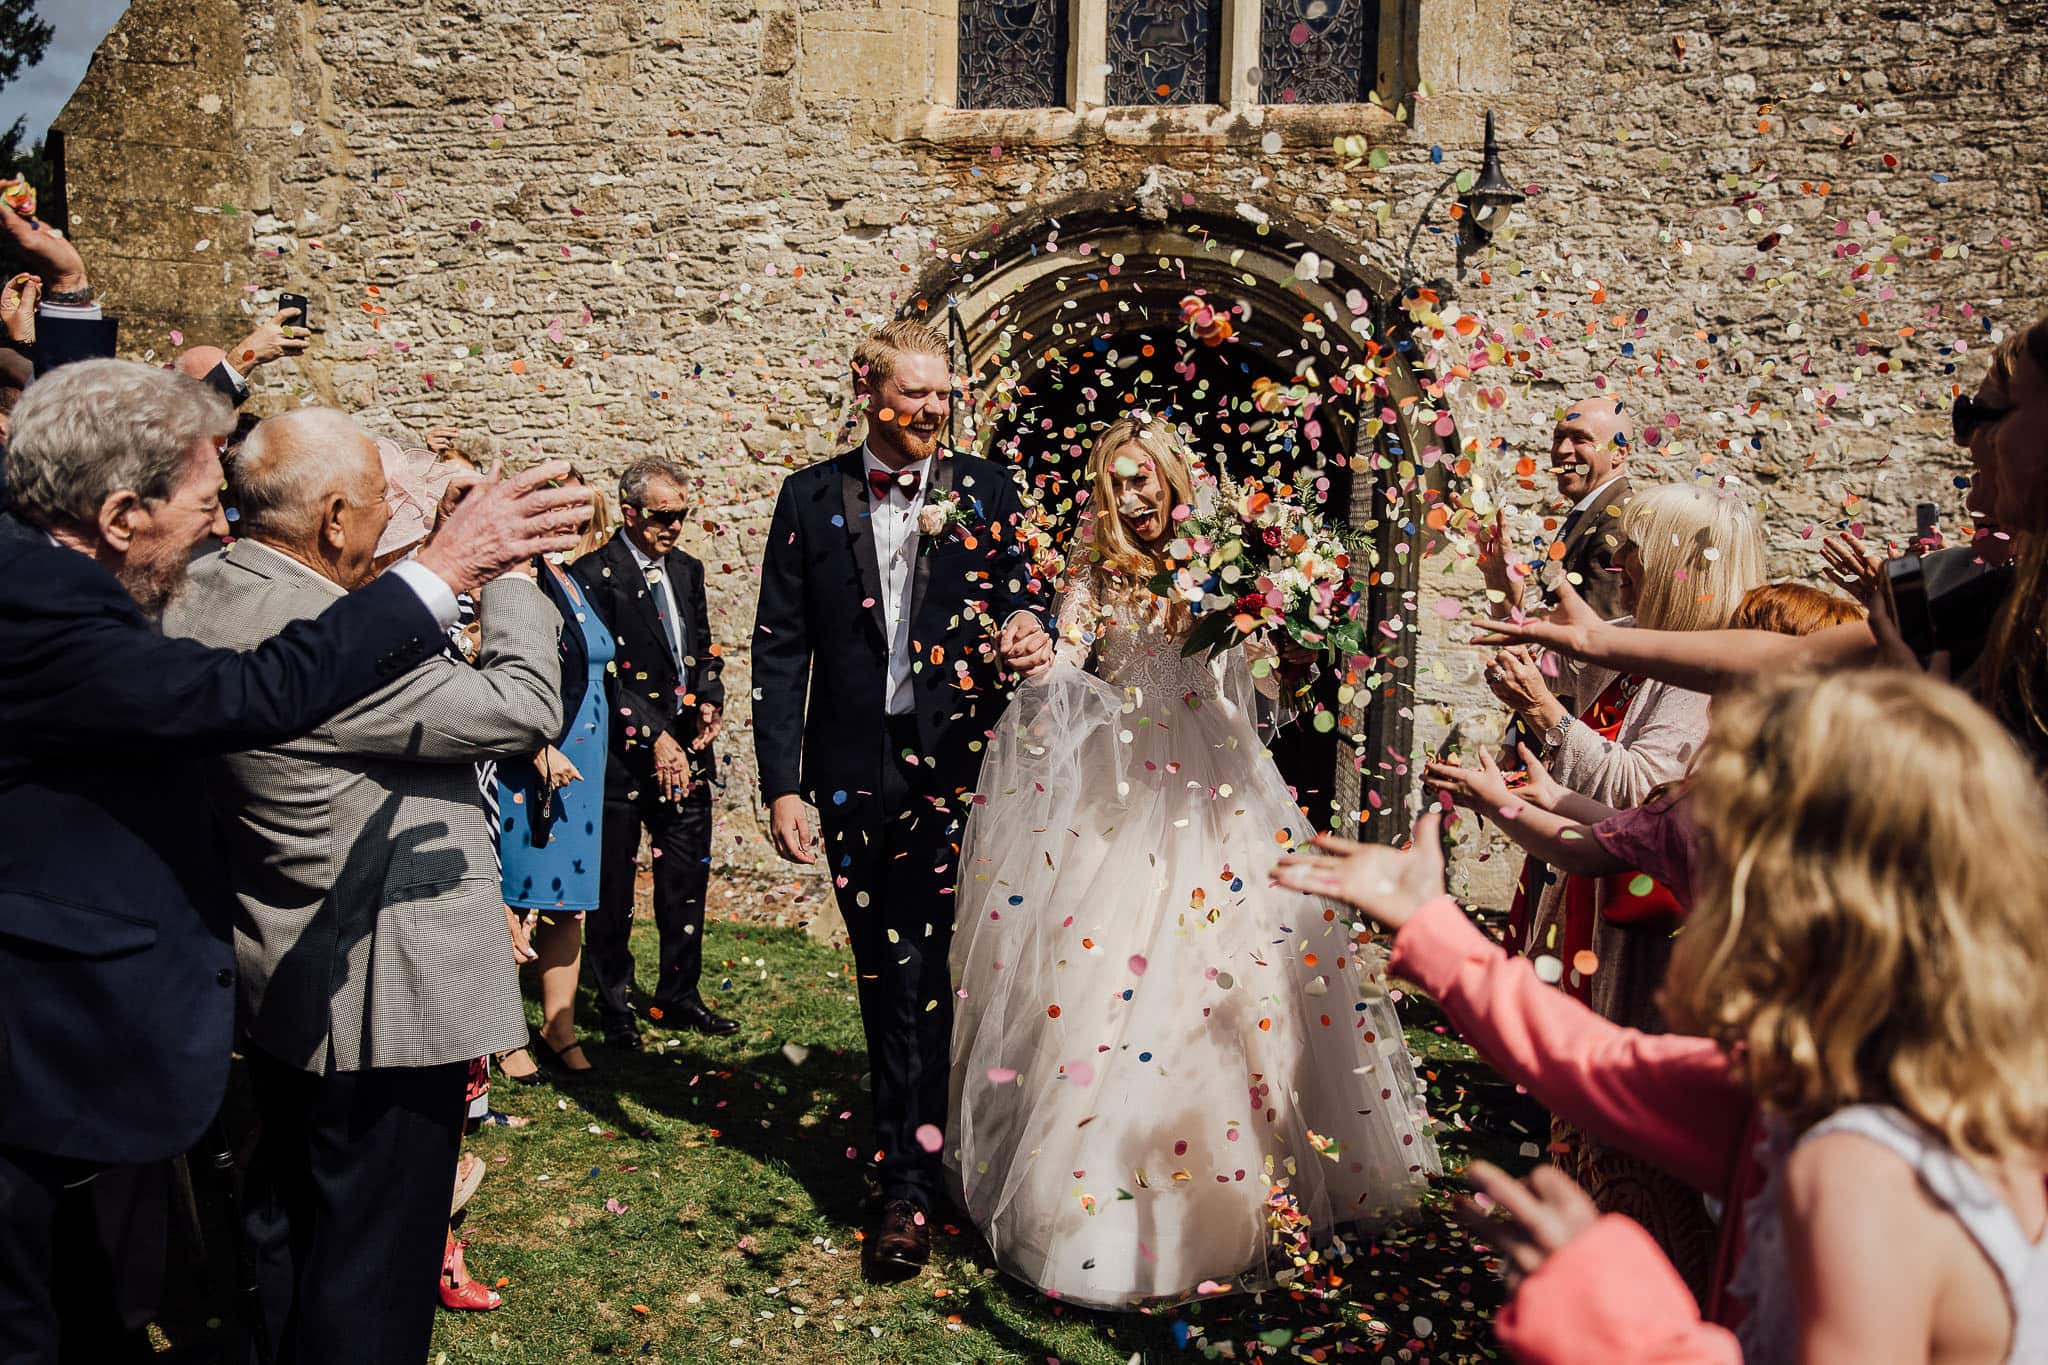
{"points": [[1866, 1085]]}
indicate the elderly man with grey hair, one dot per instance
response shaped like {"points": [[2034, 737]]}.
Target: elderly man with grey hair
{"points": [[369, 925], [117, 968]]}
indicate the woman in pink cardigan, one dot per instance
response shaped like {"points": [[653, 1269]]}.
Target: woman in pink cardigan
{"points": [[1866, 1090]]}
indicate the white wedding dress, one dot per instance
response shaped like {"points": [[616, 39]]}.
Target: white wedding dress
{"points": [[1149, 1038]]}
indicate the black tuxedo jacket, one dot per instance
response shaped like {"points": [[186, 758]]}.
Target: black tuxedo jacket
{"points": [[651, 693], [819, 630], [117, 968]]}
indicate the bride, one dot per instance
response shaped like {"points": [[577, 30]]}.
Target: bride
{"points": [[1152, 1046]]}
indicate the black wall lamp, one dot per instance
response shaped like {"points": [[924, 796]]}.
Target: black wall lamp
{"points": [[1485, 206]]}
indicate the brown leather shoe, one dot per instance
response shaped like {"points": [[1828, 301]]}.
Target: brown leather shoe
{"points": [[901, 1243]]}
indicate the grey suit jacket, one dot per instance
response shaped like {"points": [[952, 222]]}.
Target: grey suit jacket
{"points": [[369, 926]]}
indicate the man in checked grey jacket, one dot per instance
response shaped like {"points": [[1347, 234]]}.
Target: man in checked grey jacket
{"points": [[370, 930]]}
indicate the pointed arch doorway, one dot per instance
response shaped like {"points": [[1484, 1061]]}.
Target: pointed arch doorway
{"points": [[1062, 324]]}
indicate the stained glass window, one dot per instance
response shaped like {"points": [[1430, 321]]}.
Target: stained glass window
{"points": [[1165, 51], [1013, 54], [1317, 51]]}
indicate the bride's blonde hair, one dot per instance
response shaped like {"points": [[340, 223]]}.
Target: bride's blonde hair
{"points": [[1111, 545], [1872, 925]]}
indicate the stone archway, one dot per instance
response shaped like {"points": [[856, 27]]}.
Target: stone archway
{"points": [[1075, 316]]}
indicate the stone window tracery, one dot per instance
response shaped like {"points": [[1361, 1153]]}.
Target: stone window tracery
{"points": [[1316, 51], [1013, 54], [1165, 51]]}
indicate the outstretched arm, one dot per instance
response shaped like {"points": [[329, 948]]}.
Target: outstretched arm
{"points": [[1697, 660], [1552, 838]]}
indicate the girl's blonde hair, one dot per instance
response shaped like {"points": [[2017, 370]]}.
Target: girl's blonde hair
{"points": [[602, 523], [1871, 925], [1700, 551], [1111, 544]]}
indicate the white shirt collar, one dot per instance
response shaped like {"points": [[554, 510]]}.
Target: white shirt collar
{"points": [[1583, 503], [640, 556]]}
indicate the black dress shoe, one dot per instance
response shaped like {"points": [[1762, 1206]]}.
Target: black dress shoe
{"points": [[699, 1019], [901, 1243], [622, 1040]]}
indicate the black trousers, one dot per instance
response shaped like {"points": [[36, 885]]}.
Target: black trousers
{"points": [[680, 833], [346, 1208], [62, 1274], [894, 858]]}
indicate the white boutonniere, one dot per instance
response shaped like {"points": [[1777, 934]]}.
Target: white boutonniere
{"points": [[940, 511]]}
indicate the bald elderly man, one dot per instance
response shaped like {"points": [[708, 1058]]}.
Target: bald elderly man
{"points": [[229, 372], [369, 926], [1589, 449]]}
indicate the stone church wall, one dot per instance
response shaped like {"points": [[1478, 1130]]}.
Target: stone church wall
{"points": [[1781, 232]]}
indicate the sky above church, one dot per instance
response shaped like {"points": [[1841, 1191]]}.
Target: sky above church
{"points": [[39, 93]]}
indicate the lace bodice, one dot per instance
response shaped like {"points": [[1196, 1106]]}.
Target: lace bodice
{"points": [[1132, 646]]}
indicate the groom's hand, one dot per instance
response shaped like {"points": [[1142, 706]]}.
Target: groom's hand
{"points": [[1024, 645], [790, 829]]}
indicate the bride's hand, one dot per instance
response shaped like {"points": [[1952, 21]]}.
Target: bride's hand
{"points": [[1388, 884]]}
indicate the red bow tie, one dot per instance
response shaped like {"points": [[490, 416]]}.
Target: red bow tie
{"points": [[880, 481]]}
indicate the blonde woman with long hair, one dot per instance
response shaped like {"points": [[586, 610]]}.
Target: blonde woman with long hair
{"points": [[551, 816], [1148, 1043], [1864, 1084]]}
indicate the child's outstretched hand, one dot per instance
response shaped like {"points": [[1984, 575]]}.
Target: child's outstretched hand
{"points": [[1544, 1212], [1388, 884]]}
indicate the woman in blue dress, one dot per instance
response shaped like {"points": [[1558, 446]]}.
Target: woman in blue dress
{"points": [[549, 813]]}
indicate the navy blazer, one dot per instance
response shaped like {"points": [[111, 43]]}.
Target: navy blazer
{"points": [[61, 340], [117, 967], [650, 694], [821, 661]]}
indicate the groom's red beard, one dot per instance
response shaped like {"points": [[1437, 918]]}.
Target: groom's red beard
{"points": [[918, 445]]}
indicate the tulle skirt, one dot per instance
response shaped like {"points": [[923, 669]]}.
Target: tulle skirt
{"points": [[1151, 1044]]}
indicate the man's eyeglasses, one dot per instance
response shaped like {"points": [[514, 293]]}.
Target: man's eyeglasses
{"points": [[1969, 414], [661, 516]]}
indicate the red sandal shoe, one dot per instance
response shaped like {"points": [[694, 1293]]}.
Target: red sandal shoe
{"points": [[468, 1294]]}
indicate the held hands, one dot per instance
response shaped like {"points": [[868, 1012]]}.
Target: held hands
{"points": [[273, 340], [18, 307], [671, 768], [709, 721], [495, 523], [1024, 645], [48, 253], [555, 768], [1544, 1212], [1388, 884], [1517, 680], [790, 828]]}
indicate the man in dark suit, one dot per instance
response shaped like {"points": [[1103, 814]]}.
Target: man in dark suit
{"points": [[896, 594], [117, 972], [667, 700], [1589, 449]]}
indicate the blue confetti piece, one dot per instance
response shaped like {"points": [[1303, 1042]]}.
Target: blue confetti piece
{"points": [[838, 798], [1016, 900], [1436, 155], [838, 520], [1144, 1056]]}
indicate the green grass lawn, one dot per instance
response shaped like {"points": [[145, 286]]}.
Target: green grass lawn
{"points": [[702, 1202]]}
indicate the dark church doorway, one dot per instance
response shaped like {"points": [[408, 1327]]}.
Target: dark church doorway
{"points": [[1211, 391], [1066, 321]]}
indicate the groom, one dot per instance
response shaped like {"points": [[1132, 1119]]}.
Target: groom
{"points": [[894, 590]]}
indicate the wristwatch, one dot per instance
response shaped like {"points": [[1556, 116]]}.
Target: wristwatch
{"points": [[1554, 736]]}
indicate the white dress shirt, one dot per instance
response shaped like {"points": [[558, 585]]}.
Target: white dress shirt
{"points": [[656, 574], [1583, 503], [894, 524]]}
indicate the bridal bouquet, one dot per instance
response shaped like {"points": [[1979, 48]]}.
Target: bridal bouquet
{"points": [[1260, 563]]}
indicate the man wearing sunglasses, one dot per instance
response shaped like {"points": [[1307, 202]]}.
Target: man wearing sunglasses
{"points": [[667, 702]]}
